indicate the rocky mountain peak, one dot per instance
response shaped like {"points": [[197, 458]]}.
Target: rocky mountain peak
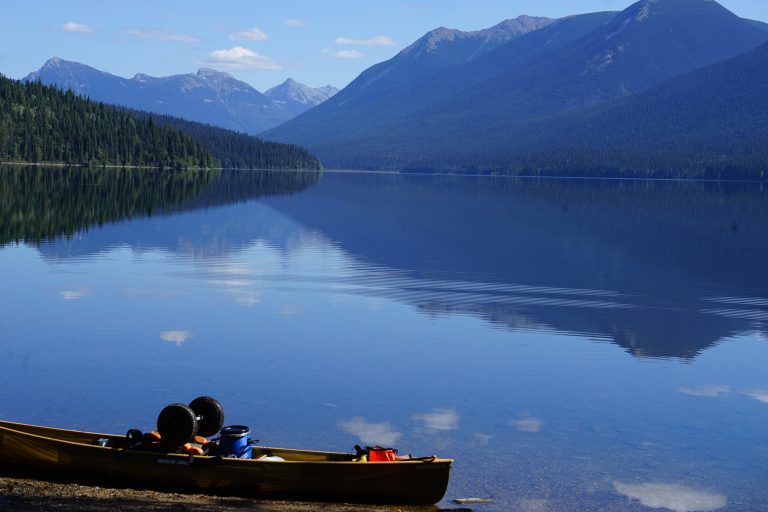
{"points": [[488, 38], [292, 91], [518, 26], [54, 62], [208, 73]]}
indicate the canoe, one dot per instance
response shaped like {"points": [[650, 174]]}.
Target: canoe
{"points": [[303, 475]]}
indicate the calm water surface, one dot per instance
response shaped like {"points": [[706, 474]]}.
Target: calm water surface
{"points": [[574, 345]]}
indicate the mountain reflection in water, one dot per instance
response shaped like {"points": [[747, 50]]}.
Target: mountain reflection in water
{"points": [[662, 269], [43, 203], [555, 337]]}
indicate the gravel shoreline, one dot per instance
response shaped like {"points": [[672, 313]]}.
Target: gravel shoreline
{"points": [[28, 495]]}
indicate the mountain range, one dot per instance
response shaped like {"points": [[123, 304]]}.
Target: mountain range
{"points": [[664, 87], [495, 99], [208, 96]]}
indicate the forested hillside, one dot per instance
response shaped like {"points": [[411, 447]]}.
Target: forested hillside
{"points": [[710, 123], [39, 123], [239, 150]]}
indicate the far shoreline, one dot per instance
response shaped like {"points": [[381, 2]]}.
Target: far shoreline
{"points": [[540, 176], [465, 174]]}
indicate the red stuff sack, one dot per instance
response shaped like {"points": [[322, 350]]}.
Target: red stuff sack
{"points": [[379, 454]]}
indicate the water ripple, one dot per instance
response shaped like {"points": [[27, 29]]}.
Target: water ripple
{"points": [[403, 288], [747, 301], [746, 314]]}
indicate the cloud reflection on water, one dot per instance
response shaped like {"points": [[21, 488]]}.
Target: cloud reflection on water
{"points": [[529, 424], [74, 294], [439, 420], [244, 298], [289, 311], [371, 433], [177, 337], [483, 439], [152, 293], [708, 390], [675, 497], [532, 505], [761, 395]]}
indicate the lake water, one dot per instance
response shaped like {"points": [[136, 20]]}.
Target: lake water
{"points": [[575, 345]]}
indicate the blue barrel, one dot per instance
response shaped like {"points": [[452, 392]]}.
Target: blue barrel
{"points": [[235, 441]]}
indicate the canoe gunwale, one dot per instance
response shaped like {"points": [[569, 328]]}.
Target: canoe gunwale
{"points": [[7, 425]]}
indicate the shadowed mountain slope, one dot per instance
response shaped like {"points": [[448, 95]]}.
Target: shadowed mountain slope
{"points": [[442, 119]]}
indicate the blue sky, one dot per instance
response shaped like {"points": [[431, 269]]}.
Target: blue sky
{"points": [[262, 42]]}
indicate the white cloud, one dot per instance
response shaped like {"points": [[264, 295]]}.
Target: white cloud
{"points": [[161, 35], [710, 390], [528, 424], [675, 497], [760, 395], [177, 337], [438, 420], [345, 54], [240, 58], [71, 26], [373, 41], [371, 433], [253, 34], [293, 22], [74, 294]]}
